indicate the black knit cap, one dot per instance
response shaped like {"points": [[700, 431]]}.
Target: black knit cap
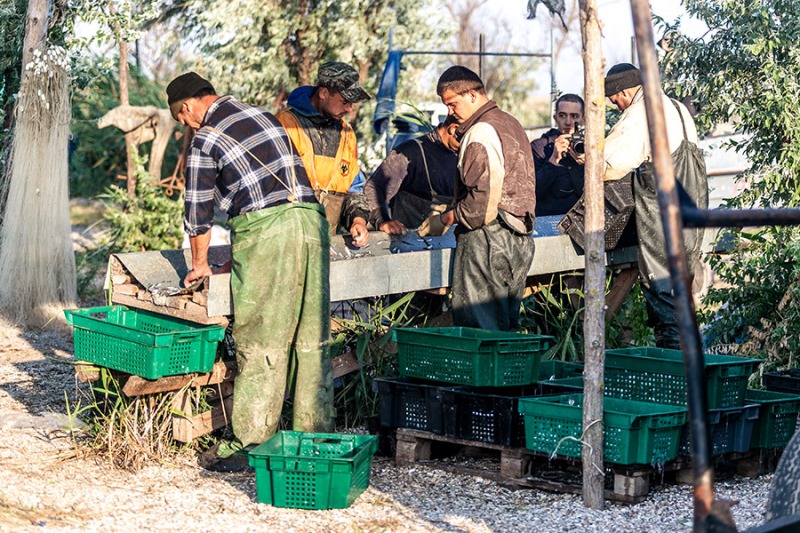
{"points": [[184, 86], [622, 76]]}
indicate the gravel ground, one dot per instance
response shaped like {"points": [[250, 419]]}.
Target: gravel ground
{"points": [[44, 484]]}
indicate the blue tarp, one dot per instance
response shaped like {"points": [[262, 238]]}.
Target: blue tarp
{"points": [[387, 91]]}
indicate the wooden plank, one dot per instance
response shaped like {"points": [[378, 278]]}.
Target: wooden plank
{"points": [[128, 289], [345, 364], [190, 315], [620, 288], [348, 361], [120, 279], [555, 486], [186, 429], [86, 373], [221, 372]]}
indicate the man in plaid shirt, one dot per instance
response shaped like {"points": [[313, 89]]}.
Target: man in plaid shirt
{"points": [[242, 159]]}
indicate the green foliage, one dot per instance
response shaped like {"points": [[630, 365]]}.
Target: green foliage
{"points": [[367, 334], [745, 71], [12, 31], [98, 156], [149, 221], [259, 51], [556, 309], [758, 311]]}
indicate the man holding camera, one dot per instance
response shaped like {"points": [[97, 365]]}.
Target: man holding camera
{"points": [[559, 158]]}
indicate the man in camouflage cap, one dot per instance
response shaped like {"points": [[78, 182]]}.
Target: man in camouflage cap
{"points": [[315, 120]]}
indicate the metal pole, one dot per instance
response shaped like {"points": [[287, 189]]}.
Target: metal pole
{"points": [[487, 54], [724, 218], [552, 77], [678, 266], [481, 50], [595, 266]]}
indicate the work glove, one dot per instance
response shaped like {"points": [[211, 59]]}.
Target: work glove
{"points": [[432, 226]]}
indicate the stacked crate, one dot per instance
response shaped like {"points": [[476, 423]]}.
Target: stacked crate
{"points": [[464, 382], [659, 375], [739, 418]]}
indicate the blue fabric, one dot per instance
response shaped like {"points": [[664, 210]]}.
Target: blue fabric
{"points": [[387, 91], [300, 101], [358, 183]]}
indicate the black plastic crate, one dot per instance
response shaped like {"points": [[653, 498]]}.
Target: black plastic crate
{"points": [[731, 430], [486, 414], [410, 403], [782, 380]]}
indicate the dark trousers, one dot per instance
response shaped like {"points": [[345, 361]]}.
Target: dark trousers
{"points": [[661, 315], [489, 272]]}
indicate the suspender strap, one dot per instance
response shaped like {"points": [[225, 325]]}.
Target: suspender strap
{"points": [[292, 175]]}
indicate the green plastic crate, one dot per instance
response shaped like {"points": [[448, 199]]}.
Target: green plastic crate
{"points": [[470, 356], [777, 417], [555, 369], [144, 344], [658, 375], [634, 432], [312, 470]]}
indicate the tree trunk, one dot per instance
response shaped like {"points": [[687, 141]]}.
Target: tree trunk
{"points": [[130, 145], [595, 269], [35, 28]]}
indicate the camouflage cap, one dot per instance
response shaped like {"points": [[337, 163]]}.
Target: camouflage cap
{"points": [[342, 78]]}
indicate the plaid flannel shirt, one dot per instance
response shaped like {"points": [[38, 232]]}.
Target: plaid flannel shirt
{"points": [[223, 170]]}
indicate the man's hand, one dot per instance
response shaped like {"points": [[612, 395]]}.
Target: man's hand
{"points": [[578, 158], [200, 268], [560, 147], [358, 230], [393, 227], [197, 272], [433, 226], [449, 217]]}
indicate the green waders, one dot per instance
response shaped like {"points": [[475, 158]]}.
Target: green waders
{"points": [[489, 271], [281, 303]]}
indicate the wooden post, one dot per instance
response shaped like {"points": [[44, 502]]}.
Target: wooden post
{"points": [[124, 99], [701, 447], [595, 269]]}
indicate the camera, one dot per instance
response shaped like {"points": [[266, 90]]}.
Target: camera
{"points": [[577, 139]]}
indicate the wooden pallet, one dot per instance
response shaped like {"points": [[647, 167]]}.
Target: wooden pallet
{"points": [[518, 467], [523, 468]]}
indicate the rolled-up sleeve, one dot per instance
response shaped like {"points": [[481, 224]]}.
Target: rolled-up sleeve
{"points": [[201, 177]]}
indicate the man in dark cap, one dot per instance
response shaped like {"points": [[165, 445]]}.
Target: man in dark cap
{"points": [[243, 159], [628, 156], [495, 205], [315, 120]]}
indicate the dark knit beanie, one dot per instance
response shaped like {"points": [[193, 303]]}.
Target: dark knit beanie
{"points": [[622, 76], [183, 87]]}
